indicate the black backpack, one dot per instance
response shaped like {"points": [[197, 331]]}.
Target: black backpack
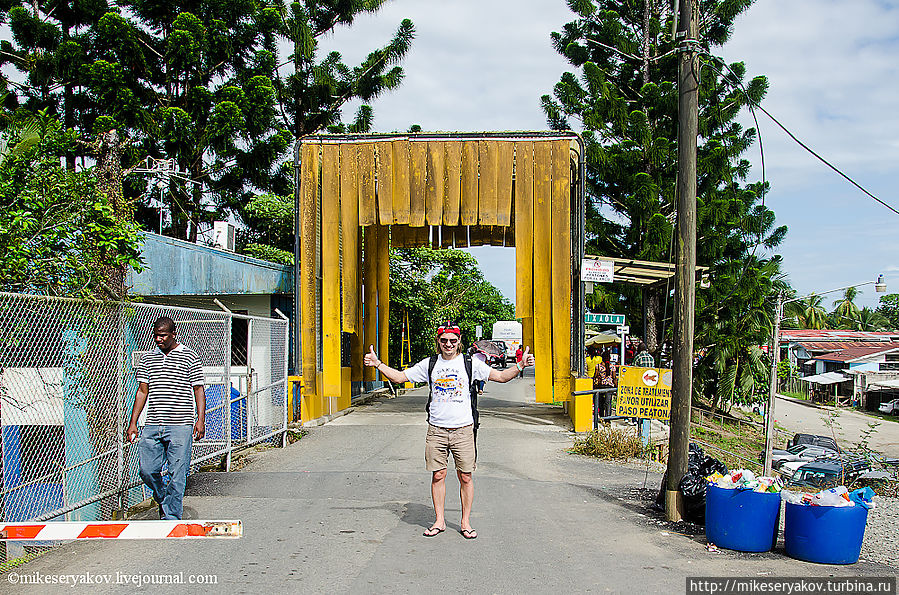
{"points": [[472, 388]]}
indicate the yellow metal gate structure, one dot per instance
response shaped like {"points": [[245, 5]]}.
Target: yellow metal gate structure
{"points": [[358, 195]]}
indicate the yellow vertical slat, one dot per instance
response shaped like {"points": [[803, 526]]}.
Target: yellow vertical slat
{"points": [[370, 296], [527, 332], [418, 166], [349, 231], [468, 210], [356, 347], [504, 151], [383, 292], [365, 169], [309, 169], [543, 346], [487, 162], [561, 268], [524, 229], [385, 182], [436, 183], [452, 195], [401, 181], [331, 316]]}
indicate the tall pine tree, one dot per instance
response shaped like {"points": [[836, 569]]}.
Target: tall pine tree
{"points": [[204, 83], [623, 95]]}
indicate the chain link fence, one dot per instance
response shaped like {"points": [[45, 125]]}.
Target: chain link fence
{"points": [[67, 389]]}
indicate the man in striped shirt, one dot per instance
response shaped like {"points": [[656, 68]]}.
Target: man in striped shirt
{"points": [[170, 383]]}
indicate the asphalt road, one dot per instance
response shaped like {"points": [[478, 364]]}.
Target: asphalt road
{"points": [[847, 426], [343, 510]]}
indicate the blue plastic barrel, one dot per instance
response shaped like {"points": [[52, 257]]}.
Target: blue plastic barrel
{"points": [[824, 534], [741, 520]]}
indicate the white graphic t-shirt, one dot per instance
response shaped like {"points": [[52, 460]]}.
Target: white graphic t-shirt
{"points": [[450, 399]]}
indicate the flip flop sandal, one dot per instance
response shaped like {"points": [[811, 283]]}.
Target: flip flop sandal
{"points": [[433, 531], [469, 533]]}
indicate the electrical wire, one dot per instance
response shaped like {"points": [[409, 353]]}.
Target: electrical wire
{"points": [[803, 145]]}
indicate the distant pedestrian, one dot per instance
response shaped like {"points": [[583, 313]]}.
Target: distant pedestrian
{"points": [[452, 415], [518, 355], [170, 383], [644, 359]]}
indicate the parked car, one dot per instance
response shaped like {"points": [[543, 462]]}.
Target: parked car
{"points": [[827, 473], [800, 452], [787, 469], [890, 407], [817, 440]]}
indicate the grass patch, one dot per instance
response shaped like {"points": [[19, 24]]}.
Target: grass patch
{"points": [[740, 439], [795, 395], [611, 444]]}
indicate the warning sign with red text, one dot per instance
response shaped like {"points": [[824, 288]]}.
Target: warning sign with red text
{"points": [[644, 392]]}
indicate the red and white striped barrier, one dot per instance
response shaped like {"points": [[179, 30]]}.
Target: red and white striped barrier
{"points": [[120, 530]]}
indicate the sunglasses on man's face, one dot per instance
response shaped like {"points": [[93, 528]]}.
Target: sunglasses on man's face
{"points": [[449, 341]]}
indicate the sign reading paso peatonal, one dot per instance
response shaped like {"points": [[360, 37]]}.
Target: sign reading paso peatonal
{"points": [[644, 392]]}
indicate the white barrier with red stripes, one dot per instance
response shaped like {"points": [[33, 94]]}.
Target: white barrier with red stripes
{"points": [[120, 530]]}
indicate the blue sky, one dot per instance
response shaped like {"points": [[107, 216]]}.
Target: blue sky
{"points": [[833, 80]]}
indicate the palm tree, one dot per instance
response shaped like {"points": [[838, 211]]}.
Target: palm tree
{"points": [[868, 320], [807, 312], [845, 308]]}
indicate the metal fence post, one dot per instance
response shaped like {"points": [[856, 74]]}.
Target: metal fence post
{"points": [[286, 381], [120, 407], [226, 392]]}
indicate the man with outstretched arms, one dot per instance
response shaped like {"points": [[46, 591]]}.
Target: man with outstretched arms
{"points": [[452, 415]]}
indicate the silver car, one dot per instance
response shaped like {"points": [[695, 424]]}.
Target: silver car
{"points": [[800, 452], [890, 407]]}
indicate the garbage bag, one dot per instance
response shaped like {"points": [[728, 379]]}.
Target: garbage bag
{"points": [[692, 485]]}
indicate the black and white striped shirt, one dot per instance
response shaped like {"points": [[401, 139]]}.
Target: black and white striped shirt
{"points": [[171, 379]]}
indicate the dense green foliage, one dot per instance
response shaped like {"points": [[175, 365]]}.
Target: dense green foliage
{"points": [[59, 234], [433, 286], [624, 96], [889, 309], [224, 88]]}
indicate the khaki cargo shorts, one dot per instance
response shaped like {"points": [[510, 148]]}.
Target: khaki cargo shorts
{"points": [[442, 441]]}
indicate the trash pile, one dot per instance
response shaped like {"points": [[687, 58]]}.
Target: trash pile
{"points": [[743, 479], [837, 497], [692, 485]]}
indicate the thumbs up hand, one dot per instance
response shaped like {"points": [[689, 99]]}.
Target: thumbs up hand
{"points": [[370, 358], [527, 358]]}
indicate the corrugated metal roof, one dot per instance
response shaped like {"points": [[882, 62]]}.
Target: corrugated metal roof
{"points": [[828, 346], [825, 378], [856, 352], [835, 335]]}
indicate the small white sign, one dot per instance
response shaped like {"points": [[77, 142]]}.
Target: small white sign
{"points": [[597, 271], [478, 331], [622, 330]]}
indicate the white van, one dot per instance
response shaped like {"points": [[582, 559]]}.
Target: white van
{"points": [[509, 332]]}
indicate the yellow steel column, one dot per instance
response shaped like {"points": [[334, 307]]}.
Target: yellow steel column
{"points": [[561, 269], [383, 255], [310, 406], [370, 307], [331, 373], [543, 345]]}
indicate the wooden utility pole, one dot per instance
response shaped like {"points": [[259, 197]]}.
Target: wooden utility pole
{"points": [[685, 287]]}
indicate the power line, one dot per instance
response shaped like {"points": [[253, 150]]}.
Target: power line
{"points": [[802, 144]]}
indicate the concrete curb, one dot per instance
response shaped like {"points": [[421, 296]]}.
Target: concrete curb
{"points": [[802, 402], [363, 399]]}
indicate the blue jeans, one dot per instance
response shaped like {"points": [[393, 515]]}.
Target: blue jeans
{"points": [[171, 444]]}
